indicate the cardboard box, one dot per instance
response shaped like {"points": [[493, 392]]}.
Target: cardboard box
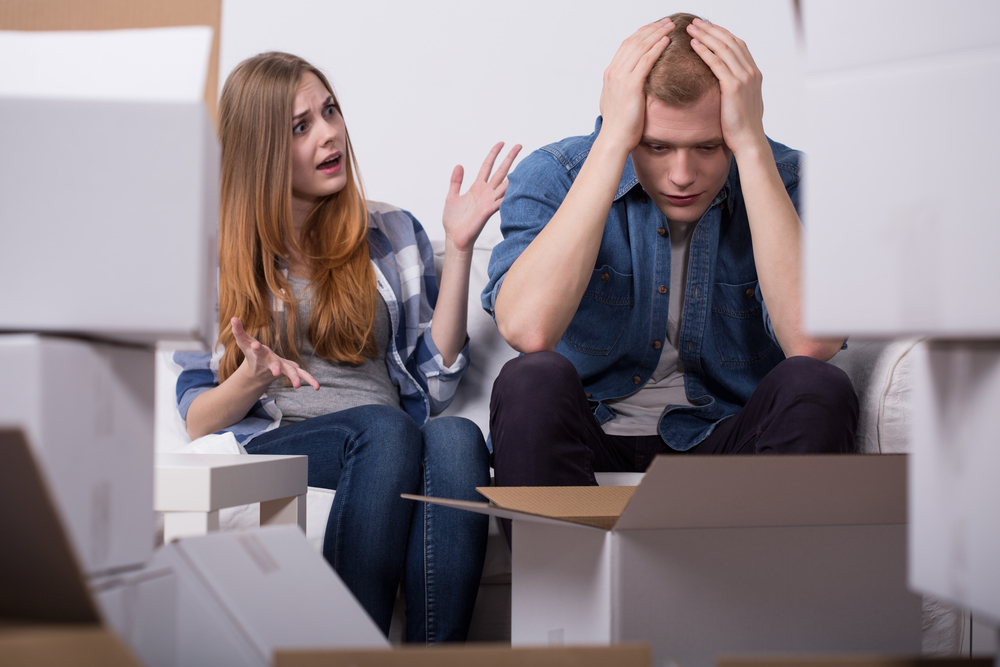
{"points": [[480, 656], [954, 466], [243, 595], [87, 411], [713, 555], [122, 198], [899, 237], [47, 616]]}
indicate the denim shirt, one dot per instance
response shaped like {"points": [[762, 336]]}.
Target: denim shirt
{"points": [[726, 341]]}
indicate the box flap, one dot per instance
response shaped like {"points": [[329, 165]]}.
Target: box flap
{"points": [[597, 506], [485, 508], [39, 574], [150, 65], [786, 490]]}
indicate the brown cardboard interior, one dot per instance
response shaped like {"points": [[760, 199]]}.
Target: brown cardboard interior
{"points": [[39, 574], [78, 645], [623, 655], [597, 506], [118, 15]]}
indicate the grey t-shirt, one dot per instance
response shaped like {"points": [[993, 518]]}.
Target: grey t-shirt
{"points": [[341, 386], [639, 413]]}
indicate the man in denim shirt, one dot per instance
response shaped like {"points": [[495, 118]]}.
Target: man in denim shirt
{"points": [[650, 274]]}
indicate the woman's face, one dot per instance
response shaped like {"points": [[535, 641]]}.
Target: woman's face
{"points": [[319, 143]]}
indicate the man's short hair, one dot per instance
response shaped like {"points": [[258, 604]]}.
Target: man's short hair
{"points": [[679, 76]]}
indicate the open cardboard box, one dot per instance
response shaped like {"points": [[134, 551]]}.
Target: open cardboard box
{"points": [[630, 655], [713, 555], [47, 615]]}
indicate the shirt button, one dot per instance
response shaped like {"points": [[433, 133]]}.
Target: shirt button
{"points": [[690, 345], [643, 200], [662, 231], [749, 292], [662, 289], [656, 345], [636, 380], [590, 395], [604, 277]]}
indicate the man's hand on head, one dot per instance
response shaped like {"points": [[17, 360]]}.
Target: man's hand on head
{"points": [[739, 83], [623, 99]]}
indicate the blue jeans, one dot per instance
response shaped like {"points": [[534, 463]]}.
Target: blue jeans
{"points": [[370, 455]]}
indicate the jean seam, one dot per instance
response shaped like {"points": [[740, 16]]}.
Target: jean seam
{"points": [[428, 556], [342, 483]]}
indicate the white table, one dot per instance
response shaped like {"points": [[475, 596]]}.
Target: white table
{"points": [[190, 489]]}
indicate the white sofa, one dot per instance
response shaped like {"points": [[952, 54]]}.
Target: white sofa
{"points": [[880, 370]]}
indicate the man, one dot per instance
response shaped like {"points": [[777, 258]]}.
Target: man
{"points": [[650, 274]]}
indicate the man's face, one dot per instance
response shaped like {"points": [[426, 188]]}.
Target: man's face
{"points": [[681, 160]]}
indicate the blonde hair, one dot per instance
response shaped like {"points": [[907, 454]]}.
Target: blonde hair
{"points": [[679, 76], [256, 229]]}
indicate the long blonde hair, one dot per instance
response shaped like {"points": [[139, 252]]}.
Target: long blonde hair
{"points": [[256, 229]]}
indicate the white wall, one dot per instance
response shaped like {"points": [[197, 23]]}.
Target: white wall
{"points": [[428, 85]]}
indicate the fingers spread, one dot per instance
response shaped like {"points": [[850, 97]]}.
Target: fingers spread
{"points": [[484, 171]]}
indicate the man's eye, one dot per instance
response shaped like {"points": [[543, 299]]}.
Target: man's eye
{"points": [[707, 149], [656, 148]]}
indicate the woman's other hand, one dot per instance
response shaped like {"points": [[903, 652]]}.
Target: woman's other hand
{"points": [[262, 364], [466, 215]]}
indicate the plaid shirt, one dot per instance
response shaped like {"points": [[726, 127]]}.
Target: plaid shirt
{"points": [[403, 261]]}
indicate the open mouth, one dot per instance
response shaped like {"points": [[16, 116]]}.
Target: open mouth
{"points": [[332, 162]]}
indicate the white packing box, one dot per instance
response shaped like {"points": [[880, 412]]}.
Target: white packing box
{"points": [[87, 411], [955, 476], [717, 554], [901, 232], [47, 615], [109, 185], [242, 595]]}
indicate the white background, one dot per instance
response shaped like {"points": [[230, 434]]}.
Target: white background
{"points": [[428, 85]]}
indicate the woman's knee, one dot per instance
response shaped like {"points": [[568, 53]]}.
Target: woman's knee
{"points": [[455, 446]]}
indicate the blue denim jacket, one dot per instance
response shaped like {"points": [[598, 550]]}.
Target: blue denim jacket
{"points": [[726, 341]]}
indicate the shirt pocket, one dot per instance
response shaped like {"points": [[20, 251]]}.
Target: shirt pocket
{"points": [[603, 312], [738, 325]]}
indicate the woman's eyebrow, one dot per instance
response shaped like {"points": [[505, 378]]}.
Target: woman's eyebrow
{"points": [[328, 100]]}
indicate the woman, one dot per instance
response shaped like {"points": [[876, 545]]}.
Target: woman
{"points": [[318, 287]]}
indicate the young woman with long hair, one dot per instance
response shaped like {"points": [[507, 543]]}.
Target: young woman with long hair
{"points": [[330, 344]]}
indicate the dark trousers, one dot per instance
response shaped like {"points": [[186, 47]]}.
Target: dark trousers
{"points": [[544, 433]]}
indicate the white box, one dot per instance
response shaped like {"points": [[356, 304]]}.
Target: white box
{"points": [[47, 615], [717, 555], [901, 232], [955, 475], [241, 595], [109, 212], [141, 607], [87, 411]]}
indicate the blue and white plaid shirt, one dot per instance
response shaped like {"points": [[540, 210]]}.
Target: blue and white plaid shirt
{"points": [[403, 260]]}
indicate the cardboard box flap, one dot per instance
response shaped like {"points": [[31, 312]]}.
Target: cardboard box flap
{"points": [[39, 574], [150, 65], [488, 509], [597, 506], [787, 490]]}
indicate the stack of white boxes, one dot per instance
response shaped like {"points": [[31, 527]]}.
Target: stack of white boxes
{"points": [[109, 202], [903, 236]]}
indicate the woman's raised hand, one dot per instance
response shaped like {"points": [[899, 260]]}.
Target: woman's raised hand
{"points": [[466, 215], [263, 364]]}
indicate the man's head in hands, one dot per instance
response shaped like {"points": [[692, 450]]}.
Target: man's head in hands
{"points": [[682, 161]]}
